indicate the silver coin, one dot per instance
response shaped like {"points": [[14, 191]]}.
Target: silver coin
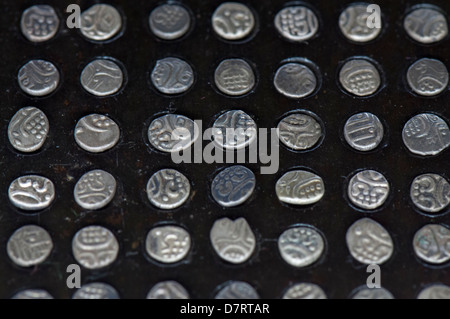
{"points": [[237, 290], [168, 189], [234, 130], [95, 247], [234, 77], [28, 129], [170, 21], [172, 76], [100, 22], [38, 78], [297, 23], [368, 190], [295, 80], [168, 244], [369, 242], [39, 23], [305, 291], [168, 290], [437, 291], [430, 193], [96, 290], [364, 132], [233, 21], [32, 294], [301, 246], [373, 293], [426, 25], [353, 23], [428, 77], [233, 241], [31, 192], [426, 135], [432, 244], [173, 133], [29, 246], [102, 77], [299, 131], [95, 190], [233, 186], [96, 133], [360, 77], [300, 188]]}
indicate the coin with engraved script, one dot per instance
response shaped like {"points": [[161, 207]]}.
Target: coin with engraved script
{"points": [[96, 133], [369, 242], [432, 244], [299, 131], [237, 290], [295, 80], [172, 76], [102, 77], [38, 78], [95, 190], [32, 294], [372, 293], [170, 21], [234, 77], [436, 291], [39, 23], [426, 25], [368, 190], [428, 77], [360, 77], [354, 23], [168, 290], [305, 291], [364, 132], [297, 23], [168, 244], [29, 246], [233, 21], [233, 186], [430, 193], [168, 189], [31, 192], [234, 130], [100, 22], [300, 188], [96, 290]]}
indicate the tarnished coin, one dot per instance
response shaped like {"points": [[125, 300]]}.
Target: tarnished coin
{"points": [[237, 290], [233, 21], [300, 188], [430, 193], [95, 247], [38, 78], [233, 241], [233, 186], [234, 77], [172, 133], [96, 290], [96, 133], [364, 132], [168, 290], [301, 246], [95, 190], [426, 135], [29, 246], [168, 244], [297, 23], [369, 243], [31, 192], [32, 294], [372, 293], [295, 80], [299, 131], [172, 76], [305, 291], [28, 129], [426, 25], [437, 291], [102, 77], [360, 77], [354, 23], [432, 244], [428, 77], [168, 189], [100, 22], [39, 23], [368, 190], [234, 130], [170, 21]]}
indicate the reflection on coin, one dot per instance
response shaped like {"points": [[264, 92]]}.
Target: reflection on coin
{"points": [[430, 193], [426, 135], [364, 132], [39, 23], [373, 293], [432, 244], [168, 189], [353, 23], [233, 21], [170, 21], [172, 76], [95, 247], [437, 291], [168, 290], [95, 190], [234, 77], [32, 294], [31, 192], [305, 291], [360, 77], [299, 131], [96, 290], [295, 80], [172, 133], [297, 23], [100, 22], [168, 244], [38, 78], [369, 243], [426, 25], [237, 290], [428, 77], [96, 133], [300, 188], [234, 130], [29, 246], [102, 77], [301, 246], [233, 241], [28, 129], [233, 186], [368, 189]]}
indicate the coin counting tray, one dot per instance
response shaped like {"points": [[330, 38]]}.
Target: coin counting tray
{"points": [[130, 215]]}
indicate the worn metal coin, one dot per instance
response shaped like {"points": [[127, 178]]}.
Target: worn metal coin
{"points": [[38, 78], [95, 190], [436, 291], [297, 23], [430, 193], [32, 294], [234, 77], [168, 290], [96, 290], [428, 77], [100, 22], [233, 21], [234, 130], [299, 131], [364, 132], [426, 25], [96, 133], [300, 188], [31, 192], [168, 189], [233, 186], [102, 77], [368, 189], [39, 23], [168, 244], [360, 77], [295, 80], [354, 24], [237, 290], [432, 244], [172, 76], [373, 293], [305, 291], [170, 21]]}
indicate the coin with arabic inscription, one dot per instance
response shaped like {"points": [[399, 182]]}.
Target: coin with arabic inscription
{"points": [[305, 291], [426, 25], [172, 76], [102, 77], [100, 22], [95, 190], [295, 80], [38, 78], [168, 290], [436, 291], [300, 188], [428, 77], [432, 244], [368, 189], [31, 192], [364, 132], [32, 294], [354, 23], [96, 133], [170, 21], [233, 21], [237, 290], [430, 193], [168, 244], [233, 186], [297, 23], [234, 130], [96, 290], [168, 189], [234, 77], [39, 23], [360, 77], [299, 131]]}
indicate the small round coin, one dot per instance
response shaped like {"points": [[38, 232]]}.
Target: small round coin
{"points": [[297, 23], [295, 80], [426, 25], [31, 192], [38, 78], [364, 132], [233, 21], [233, 186], [368, 190], [300, 188], [96, 133], [101, 22], [354, 23], [234, 130], [305, 291], [237, 290], [360, 77], [428, 77], [32, 294], [372, 293], [172, 76], [39, 23], [430, 193], [432, 244], [95, 190], [168, 244], [168, 189], [170, 21], [168, 290], [299, 131], [102, 77], [234, 77], [96, 290], [436, 291]]}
